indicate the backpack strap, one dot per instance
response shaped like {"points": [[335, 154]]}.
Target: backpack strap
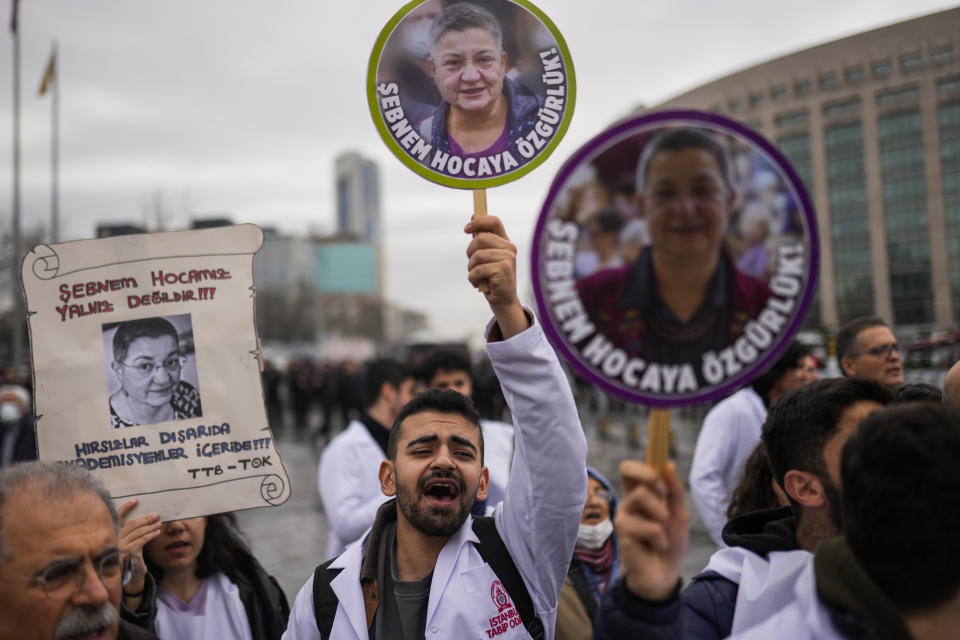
{"points": [[582, 586], [325, 601], [495, 554]]}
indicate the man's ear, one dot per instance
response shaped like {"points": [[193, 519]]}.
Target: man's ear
{"points": [[116, 366], [846, 363], [805, 488], [484, 485], [388, 392], [388, 478], [431, 66]]}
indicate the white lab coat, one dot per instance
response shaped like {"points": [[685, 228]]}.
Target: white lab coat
{"points": [[498, 445], [730, 433], [349, 483], [537, 520], [801, 615], [766, 584]]}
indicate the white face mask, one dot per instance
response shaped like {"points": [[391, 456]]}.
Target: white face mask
{"points": [[594, 536], [9, 412]]}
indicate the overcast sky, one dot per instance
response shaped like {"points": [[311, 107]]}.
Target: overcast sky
{"points": [[238, 108]]}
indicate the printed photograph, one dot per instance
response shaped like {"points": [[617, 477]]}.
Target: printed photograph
{"points": [[686, 239], [151, 371], [472, 89]]}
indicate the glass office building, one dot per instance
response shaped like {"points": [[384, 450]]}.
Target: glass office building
{"points": [[871, 123]]}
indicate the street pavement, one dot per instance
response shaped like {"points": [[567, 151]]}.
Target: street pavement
{"points": [[290, 539]]}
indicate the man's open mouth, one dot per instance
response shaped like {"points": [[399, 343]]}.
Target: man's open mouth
{"points": [[442, 490]]}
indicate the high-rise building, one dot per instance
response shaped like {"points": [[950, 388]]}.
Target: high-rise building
{"points": [[358, 196], [871, 123]]}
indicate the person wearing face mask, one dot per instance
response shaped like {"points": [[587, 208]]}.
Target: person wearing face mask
{"points": [[18, 441], [595, 563]]}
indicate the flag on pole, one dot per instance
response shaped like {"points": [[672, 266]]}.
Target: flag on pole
{"points": [[49, 74], [13, 17]]}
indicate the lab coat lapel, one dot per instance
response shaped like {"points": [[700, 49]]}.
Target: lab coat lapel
{"points": [[446, 563], [347, 587]]}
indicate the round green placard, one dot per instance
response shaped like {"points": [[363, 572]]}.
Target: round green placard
{"points": [[471, 95]]}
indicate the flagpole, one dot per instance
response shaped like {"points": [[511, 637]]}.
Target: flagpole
{"points": [[55, 152], [16, 349]]}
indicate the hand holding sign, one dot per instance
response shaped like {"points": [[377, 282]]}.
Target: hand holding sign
{"points": [[652, 526], [493, 262]]}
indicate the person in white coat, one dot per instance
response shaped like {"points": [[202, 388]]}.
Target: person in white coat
{"points": [[449, 369], [436, 472], [895, 572], [347, 473], [731, 431], [747, 581]]}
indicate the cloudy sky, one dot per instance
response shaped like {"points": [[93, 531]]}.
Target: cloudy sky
{"points": [[236, 107]]}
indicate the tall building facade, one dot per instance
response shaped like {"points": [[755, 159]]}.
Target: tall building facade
{"points": [[871, 123], [357, 183]]}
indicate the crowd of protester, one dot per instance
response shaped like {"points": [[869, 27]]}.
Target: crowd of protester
{"points": [[833, 504]]}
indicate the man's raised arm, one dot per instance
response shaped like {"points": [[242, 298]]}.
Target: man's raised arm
{"points": [[544, 499]]}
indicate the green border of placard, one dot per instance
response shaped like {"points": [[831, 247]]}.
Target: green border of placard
{"points": [[469, 183]]}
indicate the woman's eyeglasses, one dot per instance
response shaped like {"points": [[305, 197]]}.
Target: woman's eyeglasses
{"points": [[147, 368]]}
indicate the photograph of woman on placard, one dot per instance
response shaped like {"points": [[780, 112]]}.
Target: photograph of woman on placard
{"points": [[481, 80], [684, 294], [481, 109], [149, 369]]}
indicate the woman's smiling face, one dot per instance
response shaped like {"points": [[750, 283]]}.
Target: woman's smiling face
{"points": [[468, 68], [687, 203]]}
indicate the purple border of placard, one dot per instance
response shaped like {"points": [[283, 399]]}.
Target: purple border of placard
{"points": [[691, 118]]}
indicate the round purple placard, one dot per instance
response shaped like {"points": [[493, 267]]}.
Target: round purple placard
{"points": [[674, 258]]}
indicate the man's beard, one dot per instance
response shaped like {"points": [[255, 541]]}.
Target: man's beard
{"points": [[834, 500], [435, 521], [86, 619]]}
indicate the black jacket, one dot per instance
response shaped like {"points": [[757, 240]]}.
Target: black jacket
{"points": [[704, 610]]}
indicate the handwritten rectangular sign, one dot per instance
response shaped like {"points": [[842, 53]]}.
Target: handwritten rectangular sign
{"points": [[147, 372]]}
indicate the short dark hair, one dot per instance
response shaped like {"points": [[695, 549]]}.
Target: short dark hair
{"points": [[132, 330], [441, 401], [377, 373], [802, 420], [463, 16], [449, 360], [790, 359], [847, 336], [901, 502], [678, 139], [222, 547], [917, 392]]}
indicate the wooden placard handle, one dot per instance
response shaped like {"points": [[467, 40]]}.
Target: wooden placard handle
{"points": [[658, 439], [480, 210]]}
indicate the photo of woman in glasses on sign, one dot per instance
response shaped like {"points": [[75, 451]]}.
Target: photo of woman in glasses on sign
{"points": [[147, 361]]}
